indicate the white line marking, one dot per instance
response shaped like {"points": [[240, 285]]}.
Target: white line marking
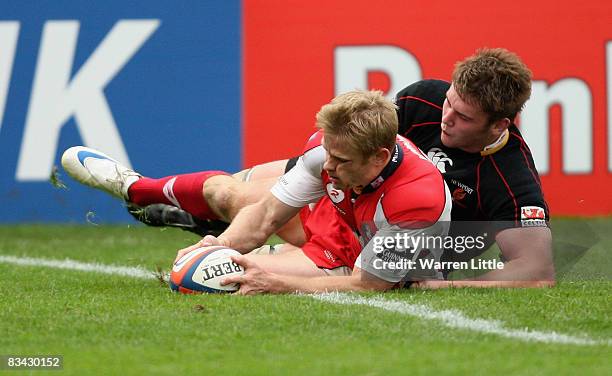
{"points": [[450, 318], [82, 266], [456, 319]]}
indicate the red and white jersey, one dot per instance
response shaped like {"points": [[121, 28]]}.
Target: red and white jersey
{"points": [[409, 198]]}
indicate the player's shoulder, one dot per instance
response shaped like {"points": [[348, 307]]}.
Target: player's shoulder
{"points": [[313, 154], [415, 163], [429, 92], [416, 192], [314, 141], [419, 106], [422, 200]]}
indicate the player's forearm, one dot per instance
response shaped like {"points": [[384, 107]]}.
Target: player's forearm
{"points": [[529, 255], [482, 284], [517, 273], [522, 273], [291, 284], [250, 228]]}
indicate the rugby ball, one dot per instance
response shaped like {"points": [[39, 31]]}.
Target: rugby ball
{"points": [[203, 269]]}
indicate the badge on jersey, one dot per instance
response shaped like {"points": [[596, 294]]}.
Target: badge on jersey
{"points": [[336, 195], [533, 216]]}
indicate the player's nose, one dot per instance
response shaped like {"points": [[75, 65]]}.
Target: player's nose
{"points": [[329, 165], [447, 119]]}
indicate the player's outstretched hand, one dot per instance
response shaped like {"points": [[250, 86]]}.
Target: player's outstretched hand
{"points": [[254, 281]]}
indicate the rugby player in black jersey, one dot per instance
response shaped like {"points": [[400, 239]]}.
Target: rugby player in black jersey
{"points": [[485, 162], [467, 129]]}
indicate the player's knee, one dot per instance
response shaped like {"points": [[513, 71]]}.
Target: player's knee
{"points": [[242, 175], [223, 199]]}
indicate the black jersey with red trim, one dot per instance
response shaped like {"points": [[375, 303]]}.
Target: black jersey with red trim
{"points": [[501, 184]]}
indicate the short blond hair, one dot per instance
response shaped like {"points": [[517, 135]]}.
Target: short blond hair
{"points": [[496, 80], [364, 120]]}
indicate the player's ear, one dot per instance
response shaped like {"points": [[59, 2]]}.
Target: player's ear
{"points": [[500, 126], [382, 156]]}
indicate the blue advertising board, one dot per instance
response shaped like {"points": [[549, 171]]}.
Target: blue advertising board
{"points": [[155, 84]]}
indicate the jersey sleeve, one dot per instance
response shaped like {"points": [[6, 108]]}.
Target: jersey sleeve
{"points": [[302, 184]]}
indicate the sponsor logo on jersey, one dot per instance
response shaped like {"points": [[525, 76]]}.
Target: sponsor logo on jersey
{"points": [[533, 216], [395, 154], [439, 159], [464, 187], [334, 194]]}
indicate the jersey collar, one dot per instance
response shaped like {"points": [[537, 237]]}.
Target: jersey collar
{"points": [[392, 165], [497, 145]]}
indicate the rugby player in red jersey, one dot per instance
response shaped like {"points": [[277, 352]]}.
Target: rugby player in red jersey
{"points": [[379, 186], [467, 130]]}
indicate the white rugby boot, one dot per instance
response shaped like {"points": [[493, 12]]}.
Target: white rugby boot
{"points": [[98, 170]]}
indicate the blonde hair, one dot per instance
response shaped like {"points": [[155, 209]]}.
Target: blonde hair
{"points": [[496, 80], [364, 120]]}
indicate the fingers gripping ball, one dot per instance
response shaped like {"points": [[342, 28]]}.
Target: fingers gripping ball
{"points": [[203, 269]]}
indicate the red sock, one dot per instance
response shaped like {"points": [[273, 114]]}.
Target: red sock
{"points": [[183, 191]]}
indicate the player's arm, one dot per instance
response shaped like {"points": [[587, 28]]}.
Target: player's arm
{"points": [[255, 223], [359, 280], [529, 262], [526, 248], [257, 281], [251, 227], [528, 258], [295, 189], [368, 275]]}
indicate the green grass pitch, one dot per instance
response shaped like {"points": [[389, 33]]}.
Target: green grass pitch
{"points": [[114, 325]]}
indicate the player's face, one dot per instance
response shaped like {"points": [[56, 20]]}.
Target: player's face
{"points": [[464, 125], [345, 167]]}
